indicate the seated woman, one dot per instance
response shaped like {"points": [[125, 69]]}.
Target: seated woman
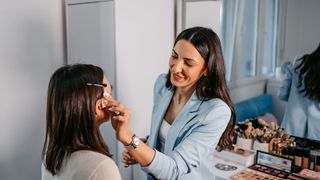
{"points": [[301, 88], [76, 106]]}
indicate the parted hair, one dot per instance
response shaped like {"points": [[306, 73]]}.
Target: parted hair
{"points": [[214, 84], [70, 116]]}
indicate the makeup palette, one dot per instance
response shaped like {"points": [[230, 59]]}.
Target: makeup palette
{"points": [[267, 166], [249, 174]]}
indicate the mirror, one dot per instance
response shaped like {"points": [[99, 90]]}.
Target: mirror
{"points": [[282, 30], [257, 37]]}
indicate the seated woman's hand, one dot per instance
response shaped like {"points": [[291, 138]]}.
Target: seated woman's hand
{"points": [[127, 159]]}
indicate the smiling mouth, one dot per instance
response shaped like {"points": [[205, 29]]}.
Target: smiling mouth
{"points": [[177, 77]]}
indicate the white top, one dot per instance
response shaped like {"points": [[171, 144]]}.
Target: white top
{"points": [[164, 128], [85, 165]]}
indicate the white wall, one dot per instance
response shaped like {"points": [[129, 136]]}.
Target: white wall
{"points": [[144, 39], [31, 48], [205, 13], [301, 33]]}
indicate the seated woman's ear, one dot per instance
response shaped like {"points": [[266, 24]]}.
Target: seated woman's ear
{"points": [[98, 107]]}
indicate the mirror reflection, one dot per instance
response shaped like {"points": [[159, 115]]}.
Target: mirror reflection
{"points": [[257, 37]]}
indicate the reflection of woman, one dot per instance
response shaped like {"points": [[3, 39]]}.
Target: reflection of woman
{"points": [[301, 89], [192, 112], [76, 107]]}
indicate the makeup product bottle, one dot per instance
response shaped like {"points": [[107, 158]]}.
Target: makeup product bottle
{"points": [[312, 162], [317, 164], [305, 162], [313, 158], [298, 161]]}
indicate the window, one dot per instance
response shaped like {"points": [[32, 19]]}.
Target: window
{"points": [[246, 38], [269, 35], [228, 33], [248, 34]]}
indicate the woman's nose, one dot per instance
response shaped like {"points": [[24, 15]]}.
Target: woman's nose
{"points": [[177, 66]]}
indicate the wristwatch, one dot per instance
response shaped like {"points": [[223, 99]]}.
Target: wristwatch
{"points": [[135, 141]]}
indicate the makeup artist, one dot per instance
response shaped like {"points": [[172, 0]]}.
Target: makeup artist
{"points": [[192, 112]]}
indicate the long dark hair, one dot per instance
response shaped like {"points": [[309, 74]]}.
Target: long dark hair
{"points": [[71, 124], [214, 84], [309, 76]]}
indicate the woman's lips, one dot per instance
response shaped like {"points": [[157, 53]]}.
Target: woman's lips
{"points": [[177, 77]]}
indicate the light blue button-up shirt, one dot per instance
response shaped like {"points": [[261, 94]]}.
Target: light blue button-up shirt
{"points": [[302, 115]]}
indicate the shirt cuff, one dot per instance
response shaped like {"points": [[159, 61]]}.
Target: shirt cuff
{"points": [[153, 165]]}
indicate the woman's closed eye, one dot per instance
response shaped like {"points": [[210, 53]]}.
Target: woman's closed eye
{"points": [[173, 56], [187, 63]]}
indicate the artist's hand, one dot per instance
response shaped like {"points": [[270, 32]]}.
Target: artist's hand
{"points": [[120, 120], [127, 159]]}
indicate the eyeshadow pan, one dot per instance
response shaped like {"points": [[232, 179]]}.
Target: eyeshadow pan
{"points": [[267, 171]]}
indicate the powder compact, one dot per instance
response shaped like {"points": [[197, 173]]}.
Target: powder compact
{"points": [[267, 166]]}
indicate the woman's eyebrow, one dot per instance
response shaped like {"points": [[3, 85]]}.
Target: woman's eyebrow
{"points": [[174, 52], [188, 59]]}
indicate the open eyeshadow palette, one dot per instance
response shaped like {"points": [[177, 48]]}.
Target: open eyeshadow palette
{"points": [[267, 166]]}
